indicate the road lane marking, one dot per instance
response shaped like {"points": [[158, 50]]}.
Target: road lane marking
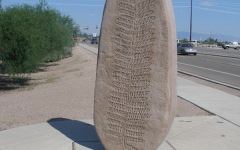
{"points": [[211, 70], [206, 60], [192, 66]]}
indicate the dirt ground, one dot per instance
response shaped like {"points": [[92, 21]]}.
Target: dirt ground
{"points": [[63, 89]]}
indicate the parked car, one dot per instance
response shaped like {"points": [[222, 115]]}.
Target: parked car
{"points": [[234, 45], [94, 40], [186, 48]]}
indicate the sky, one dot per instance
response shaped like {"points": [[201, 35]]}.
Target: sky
{"points": [[213, 17]]}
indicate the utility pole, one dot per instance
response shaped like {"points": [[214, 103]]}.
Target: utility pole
{"points": [[190, 39]]}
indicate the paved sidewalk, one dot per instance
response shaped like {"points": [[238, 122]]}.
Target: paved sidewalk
{"points": [[190, 133], [220, 132], [90, 48], [217, 102]]}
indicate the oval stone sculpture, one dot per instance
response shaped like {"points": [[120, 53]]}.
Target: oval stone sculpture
{"points": [[135, 92]]}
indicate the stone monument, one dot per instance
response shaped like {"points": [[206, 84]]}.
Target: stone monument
{"points": [[135, 93]]}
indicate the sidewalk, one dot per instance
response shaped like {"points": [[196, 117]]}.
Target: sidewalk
{"points": [[217, 102], [220, 132], [187, 133]]}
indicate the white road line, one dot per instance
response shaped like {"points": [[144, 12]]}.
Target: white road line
{"points": [[202, 59], [208, 79], [178, 62], [211, 70]]}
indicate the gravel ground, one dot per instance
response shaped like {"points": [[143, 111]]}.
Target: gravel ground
{"points": [[64, 89]]}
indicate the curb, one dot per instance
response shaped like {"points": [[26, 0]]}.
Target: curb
{"points": [[210, 80]]}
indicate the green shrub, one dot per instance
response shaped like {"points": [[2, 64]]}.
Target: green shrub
{"points": [[18, 35], [31, 35]]}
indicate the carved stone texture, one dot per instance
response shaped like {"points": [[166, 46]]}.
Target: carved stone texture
{"points": [[135, 93]]}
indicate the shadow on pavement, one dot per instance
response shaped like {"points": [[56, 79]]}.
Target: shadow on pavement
{"points": [[80, 132]]}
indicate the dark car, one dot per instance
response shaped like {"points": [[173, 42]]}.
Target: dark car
{"points": [[186, 48], [94, 41]]}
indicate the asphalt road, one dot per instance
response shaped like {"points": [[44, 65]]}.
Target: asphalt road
{"points": [[220, 69], [219, 52], [212, 64]]}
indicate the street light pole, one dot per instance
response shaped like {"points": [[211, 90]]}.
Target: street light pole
{"points": [[190, 39]]}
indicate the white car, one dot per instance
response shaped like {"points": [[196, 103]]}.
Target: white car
{"points": [[234, 45]]}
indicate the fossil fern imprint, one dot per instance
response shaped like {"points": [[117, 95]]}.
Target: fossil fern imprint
{"points": [[133, 40]]}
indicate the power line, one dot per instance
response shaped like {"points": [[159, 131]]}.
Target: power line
{"points": [[69, 4], [203, 6], [217, 3], [215, 10], [181, 6], [222, 11], [212, 3], [219, 7], [180, 2], [222, 2]]}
